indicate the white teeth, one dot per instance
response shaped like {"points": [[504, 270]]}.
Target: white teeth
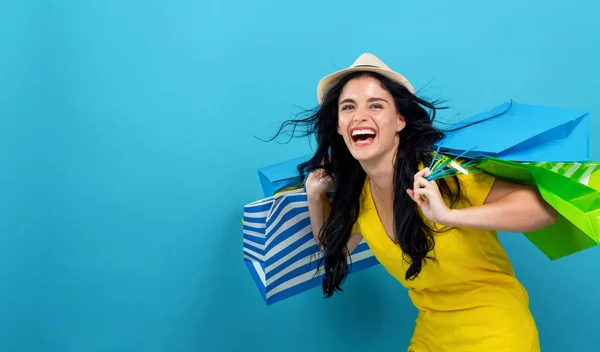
{"points": [[358, 132]]}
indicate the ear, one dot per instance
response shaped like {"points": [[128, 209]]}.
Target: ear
{"points": [[401, 123], [338, 129]]}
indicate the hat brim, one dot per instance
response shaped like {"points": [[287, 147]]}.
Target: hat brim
{"points": [[330, 80]]}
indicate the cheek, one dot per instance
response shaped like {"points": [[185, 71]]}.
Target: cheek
{"points": [[342, 125], [391, 121], [385, 123], [388, 127]]}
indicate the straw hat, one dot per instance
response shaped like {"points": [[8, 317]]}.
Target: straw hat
{"points": [[365, 62]]}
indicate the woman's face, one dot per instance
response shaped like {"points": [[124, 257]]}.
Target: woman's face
{"points": [[368, 119]]}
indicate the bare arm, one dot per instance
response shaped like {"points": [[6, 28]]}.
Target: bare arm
{"points": [[318, 210], [509, 207]]}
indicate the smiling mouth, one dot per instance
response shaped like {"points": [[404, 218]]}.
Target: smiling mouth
{"points": [[363, 136]]}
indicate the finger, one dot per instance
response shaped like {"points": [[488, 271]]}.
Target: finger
{"points": [[425, 183], [430, 183], [427, 172], [433, 184], [418, 197], [423, 172], [416, 187], [421, 182], [411, 194], [418, 176], [326, 179], [422, 194], [320, 173]]}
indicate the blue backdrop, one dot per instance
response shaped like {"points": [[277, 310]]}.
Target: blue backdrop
{"points": [[124, 125]]}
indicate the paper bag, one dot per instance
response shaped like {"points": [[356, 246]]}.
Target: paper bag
{"points": [[572, 189], [280, 176], [279, 248], [521, 132]]}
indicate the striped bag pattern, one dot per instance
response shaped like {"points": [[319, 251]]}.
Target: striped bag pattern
{"points": [[279, 248], [586, 174]]}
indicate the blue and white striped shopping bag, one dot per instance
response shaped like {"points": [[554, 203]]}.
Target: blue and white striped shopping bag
{"points": [[279, 248]]}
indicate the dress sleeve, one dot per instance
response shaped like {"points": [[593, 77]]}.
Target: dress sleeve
{"points": [[476, 186], [356, 227]]}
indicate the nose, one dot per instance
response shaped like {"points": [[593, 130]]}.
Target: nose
{"points": [[359, 115]]}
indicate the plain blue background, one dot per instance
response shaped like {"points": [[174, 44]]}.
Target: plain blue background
{"points": [[123, 124]]}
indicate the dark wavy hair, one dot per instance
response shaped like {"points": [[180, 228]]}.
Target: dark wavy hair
{"points": [[417, 139]]}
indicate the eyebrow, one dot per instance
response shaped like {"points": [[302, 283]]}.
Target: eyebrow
{"points": [[370, 100]]}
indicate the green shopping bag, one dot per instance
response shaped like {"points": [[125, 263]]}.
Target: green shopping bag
{"points": [[573, 189]]}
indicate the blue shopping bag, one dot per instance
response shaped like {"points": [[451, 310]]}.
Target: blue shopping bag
{"points": [[522, 132], [280, 176], [280, 251]]}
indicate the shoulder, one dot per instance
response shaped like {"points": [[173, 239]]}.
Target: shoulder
{"points": [[476, 186], [473, 187], [481, 187]]}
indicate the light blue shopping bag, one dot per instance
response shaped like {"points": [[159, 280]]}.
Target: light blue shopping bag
{"points": [[522, 132], [280, 176]]}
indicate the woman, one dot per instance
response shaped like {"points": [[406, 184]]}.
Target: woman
{"points": [[437, 238]]}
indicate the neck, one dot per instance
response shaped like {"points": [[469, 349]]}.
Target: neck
{"points": [[381, 175]]}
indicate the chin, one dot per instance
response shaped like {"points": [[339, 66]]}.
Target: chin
{"points": [[363, 155], [370, 154]]}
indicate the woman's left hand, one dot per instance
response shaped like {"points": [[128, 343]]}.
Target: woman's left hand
{"points": [[428, 197]]}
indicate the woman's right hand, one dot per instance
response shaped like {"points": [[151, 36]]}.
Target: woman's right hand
{"points": [[318, 183]]}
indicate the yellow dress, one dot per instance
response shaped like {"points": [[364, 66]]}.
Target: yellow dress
{"points": [[469, 300]]}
